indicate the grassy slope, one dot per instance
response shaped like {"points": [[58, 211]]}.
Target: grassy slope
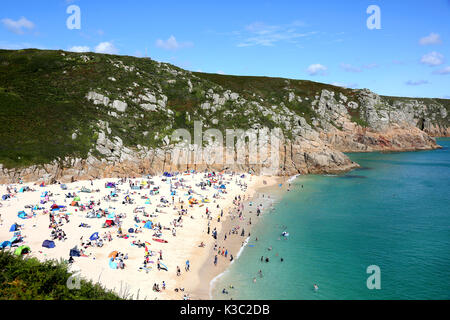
{"points": [[43, 102]]}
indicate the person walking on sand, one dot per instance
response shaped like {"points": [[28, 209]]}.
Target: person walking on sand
{"points": [[215, 260]]}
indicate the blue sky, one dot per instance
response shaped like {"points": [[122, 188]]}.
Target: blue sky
{"points": [[324, 41]]}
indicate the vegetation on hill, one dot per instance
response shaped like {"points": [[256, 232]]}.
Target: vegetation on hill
{"points": [[45, 114], [29, 279]]}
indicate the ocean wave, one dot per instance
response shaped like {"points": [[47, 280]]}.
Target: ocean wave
{"points": [[214, 280], [293, 178]]}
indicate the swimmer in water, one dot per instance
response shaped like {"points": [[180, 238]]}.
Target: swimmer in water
{"points": [[316, 287]]}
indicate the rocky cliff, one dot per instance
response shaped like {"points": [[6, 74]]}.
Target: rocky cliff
{"points": [[79, 116]]}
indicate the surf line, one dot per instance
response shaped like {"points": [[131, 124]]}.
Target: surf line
{"points": [[214, 280], [293, 178]]}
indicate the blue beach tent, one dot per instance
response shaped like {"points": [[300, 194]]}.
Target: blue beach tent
{"points": [[48, 244], [5, 244], [148, 225], [94, 236], [112, 264], [74, 253], [22, 215]]}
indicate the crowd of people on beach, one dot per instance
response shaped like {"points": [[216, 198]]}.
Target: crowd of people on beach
{"points": [[91, 204]]}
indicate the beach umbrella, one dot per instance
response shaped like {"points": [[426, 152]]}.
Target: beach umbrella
{"points": [[113, 254]]}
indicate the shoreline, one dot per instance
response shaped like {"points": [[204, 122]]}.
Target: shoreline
{"points": [[235, 244], [94, 266]]}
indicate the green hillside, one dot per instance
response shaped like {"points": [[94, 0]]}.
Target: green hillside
{"points": [[46, 116]]}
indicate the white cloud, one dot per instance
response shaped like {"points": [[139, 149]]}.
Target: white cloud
{"points": [[80, 49], [432, 38], [416, 82], [317, 69], [370, 66], [443, 71], [433, 59], [345, 85], [172, 44], [106, 47], [220, 72], [18, 26], [349, 68], [260, 34]]}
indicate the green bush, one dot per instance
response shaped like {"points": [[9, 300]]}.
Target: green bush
{"points": [[29, 279]]}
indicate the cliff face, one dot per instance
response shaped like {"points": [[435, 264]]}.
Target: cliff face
{"points": [[79, 116]]}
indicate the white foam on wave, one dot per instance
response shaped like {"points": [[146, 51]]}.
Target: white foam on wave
{"points": [[293, 178], [214, 280], [242, 248]]}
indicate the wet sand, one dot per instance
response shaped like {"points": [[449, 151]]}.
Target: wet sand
{"points": [[235, 242]]}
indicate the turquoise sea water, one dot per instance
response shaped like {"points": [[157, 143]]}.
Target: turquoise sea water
{"points": [[394, 212]]}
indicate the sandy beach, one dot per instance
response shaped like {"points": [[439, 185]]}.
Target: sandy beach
{"points": [[131, 203], [259, 196]]}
